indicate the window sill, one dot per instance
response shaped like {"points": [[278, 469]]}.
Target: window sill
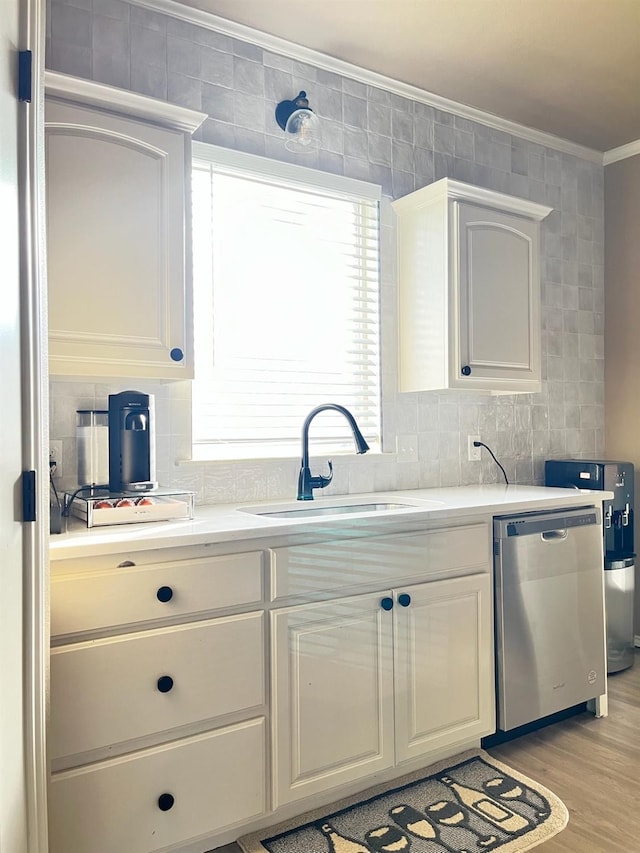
{"points": [[204, 456]]}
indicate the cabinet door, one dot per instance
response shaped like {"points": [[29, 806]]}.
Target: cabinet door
{"points": [[333, 695], [498, 300], [117, 246], [443, 664]]}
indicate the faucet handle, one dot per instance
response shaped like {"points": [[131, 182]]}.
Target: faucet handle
{"points": [[324, 481], [307, 482]]}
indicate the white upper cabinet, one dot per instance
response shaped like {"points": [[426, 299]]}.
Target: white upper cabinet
{"points": [[118, 232], [469, 289]]}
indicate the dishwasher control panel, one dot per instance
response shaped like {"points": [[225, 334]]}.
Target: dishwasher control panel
{"points": [[525, 526]]}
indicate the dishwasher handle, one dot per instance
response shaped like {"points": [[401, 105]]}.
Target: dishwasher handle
{"points": [[554, 535]]}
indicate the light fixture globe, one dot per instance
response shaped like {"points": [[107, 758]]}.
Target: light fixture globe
{"points": [[300, 124]]}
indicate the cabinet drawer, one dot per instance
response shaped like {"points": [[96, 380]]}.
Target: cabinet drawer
{"points": [[216, 780], [303, 570], [108, 691], [89, 600]]}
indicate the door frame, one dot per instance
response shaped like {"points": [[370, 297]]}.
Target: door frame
{"points": [[28, 645]]}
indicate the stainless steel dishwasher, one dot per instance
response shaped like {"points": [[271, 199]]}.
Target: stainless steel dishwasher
{"points": [[550, 622]]}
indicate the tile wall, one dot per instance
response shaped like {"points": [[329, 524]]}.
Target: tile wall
{"points": [[375, 135]]}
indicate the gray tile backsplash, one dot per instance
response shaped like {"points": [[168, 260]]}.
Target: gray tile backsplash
{"points": [[374, 135]]}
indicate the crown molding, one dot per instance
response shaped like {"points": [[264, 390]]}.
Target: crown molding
{"points": [[451, 190], [83, 91], [621, 153], [275, 44]]}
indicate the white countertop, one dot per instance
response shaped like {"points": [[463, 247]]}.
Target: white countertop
{"points": [[232, 522]]}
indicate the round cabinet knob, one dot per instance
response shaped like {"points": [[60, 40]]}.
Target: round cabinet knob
{"points": [[404, 599], [176, 354], [164, 594], [165, 683], [386, 603], [466, 370], [165, 802]]}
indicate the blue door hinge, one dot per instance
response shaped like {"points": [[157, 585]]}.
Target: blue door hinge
{"points": [[25, 75], [28, 495]]}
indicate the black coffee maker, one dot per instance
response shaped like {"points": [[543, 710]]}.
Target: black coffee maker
{"points": [[132, 446]]}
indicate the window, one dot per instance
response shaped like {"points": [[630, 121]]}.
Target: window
{"points": [[286, 306]]}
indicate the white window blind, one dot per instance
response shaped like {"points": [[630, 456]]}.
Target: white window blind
{"points": [[286, 306]]}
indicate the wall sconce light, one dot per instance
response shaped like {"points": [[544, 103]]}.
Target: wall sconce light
{"points": [[300, 124]]}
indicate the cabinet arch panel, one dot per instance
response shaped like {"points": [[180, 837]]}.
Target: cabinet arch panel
{"points": [[118, 244], [85, 234], [498, 308]]}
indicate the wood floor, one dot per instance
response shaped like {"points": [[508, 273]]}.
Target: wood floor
{"points": [[592, 765]]}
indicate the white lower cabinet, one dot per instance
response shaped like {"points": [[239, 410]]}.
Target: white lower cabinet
{"points": [[157, 797], [172, 729], [157, 732], [364, 683]]}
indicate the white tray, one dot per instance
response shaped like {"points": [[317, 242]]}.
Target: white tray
{"points": [[163, 508]]}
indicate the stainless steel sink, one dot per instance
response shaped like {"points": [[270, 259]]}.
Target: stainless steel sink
{"points": [[340, 509], [309, 512]]}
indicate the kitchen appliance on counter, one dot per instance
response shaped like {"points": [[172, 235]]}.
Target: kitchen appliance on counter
{"points": [[117, 470], [619, 554], [132, 446], [550, 649]]}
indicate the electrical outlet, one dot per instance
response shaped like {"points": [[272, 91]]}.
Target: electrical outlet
{"points": [[55, 455], [474, 452]]}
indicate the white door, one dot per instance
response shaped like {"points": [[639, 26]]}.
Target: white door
{"points": [[499, 299], [333, 694], [443, 664], [22, 546], [116, 245]]}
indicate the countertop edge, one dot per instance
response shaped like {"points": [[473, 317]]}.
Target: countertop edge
{"points": [[222, 523]]}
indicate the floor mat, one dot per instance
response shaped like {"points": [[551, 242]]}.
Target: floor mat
{"points": [[467, 804]]}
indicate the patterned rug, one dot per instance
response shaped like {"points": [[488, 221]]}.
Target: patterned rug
{"points": [[470, 803]]}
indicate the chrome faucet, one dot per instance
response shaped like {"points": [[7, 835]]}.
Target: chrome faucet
{"points": [[306, 481]]}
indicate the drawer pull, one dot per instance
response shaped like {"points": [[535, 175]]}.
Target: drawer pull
{"points": [[165, 802], [386, 603], [126, 564], [164, 594], [165, 683], [404, 599]]}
